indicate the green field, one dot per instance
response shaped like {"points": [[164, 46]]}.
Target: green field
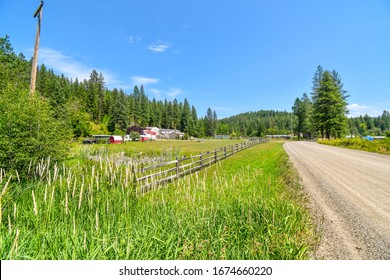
{"points": [[174, 147], [248, 206], [377, 146]]}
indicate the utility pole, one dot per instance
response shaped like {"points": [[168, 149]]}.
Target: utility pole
{"points": [[38, 14]]}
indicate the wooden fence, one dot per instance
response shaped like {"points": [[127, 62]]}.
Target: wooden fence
{"points": [[151, 177]]}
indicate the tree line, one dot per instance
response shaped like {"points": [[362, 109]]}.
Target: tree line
{"points": [[257, 124], [367, 125], [89, 107], [323, 113], [41, 125], [320, 114]]}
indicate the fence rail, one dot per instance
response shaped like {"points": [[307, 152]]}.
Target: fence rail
{"points": [[151, 177]]}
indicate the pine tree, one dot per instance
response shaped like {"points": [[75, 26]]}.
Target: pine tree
{"points": [[144, 109], [175, 113], [137, 105], [154, 113], [185, 121], [215, 123], [209, 123], [329, 107], [317, 77], [301, 110], [194, 119], [95, 93], [167, 114], [14, 69], [131, 108]]}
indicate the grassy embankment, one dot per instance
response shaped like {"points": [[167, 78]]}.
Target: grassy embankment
{"points": [[245, 207], [377, 146]]}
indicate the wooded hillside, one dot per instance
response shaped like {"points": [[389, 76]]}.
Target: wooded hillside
{"points": [[89, 107]]}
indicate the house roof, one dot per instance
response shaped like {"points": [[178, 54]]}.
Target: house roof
{"points": [[116, 137]]}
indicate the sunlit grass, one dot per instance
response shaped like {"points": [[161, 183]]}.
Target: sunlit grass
{"points": [[172, 147], [245, 207], [377, 146]]}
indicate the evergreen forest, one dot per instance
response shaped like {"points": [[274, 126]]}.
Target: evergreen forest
{"points": [[323, 113], [89, 107]]}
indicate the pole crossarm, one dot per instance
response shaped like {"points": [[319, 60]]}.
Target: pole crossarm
{"points": [[39, 9]]}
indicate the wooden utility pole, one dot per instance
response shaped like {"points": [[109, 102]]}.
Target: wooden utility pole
{"points": [[38, 14]]}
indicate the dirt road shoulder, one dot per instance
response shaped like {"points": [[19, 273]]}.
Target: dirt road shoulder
{"points": [[349, 193]]}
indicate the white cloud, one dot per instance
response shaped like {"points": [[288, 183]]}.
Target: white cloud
{"points": [[160, 94], [139, 80], [159, 47], [172, 93], [72, 68], [356, 110], [169, 94], [133, 39], [64, 64], [156, 93]]}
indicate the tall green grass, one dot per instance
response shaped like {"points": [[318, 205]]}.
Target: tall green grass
{"points": [[246, 207], [377, 146], [169, 147]]}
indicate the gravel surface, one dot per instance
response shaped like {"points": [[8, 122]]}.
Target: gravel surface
{"points": [[349, 195]]}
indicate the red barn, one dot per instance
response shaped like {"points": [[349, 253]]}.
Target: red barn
{"points": [[116, 139], [150, 134]]}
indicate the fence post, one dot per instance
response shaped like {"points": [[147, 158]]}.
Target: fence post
{"points": [[201, 158], [177, 167], [134, 180], [224, 151], [215, 155]]}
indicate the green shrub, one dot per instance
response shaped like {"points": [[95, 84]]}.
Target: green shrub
{"points": [[28, 130], [134, 135]]}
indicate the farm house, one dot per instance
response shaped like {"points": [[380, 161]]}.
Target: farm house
{"points": [[148, 135], [171, 134]]}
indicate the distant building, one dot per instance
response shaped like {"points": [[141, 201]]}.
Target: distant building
{"points": [[99, 139], [170, 134], [115, 139], [220, 136], [148, 135], [154, 129], [280, 136]]}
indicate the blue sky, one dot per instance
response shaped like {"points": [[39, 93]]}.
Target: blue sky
{"points": [[232, 56]]}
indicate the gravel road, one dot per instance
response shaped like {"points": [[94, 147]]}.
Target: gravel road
{"points": [[349, 194]]}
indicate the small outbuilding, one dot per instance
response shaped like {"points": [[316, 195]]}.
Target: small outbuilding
{"points": [[116, 139]]}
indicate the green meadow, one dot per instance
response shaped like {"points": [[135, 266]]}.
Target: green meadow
{"points": [[376, 146], [249, 206]]}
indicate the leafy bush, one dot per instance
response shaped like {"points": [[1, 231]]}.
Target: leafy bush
{"points": [[28, 130], [134, 135]]}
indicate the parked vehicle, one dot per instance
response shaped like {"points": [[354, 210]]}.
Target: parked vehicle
{"points": [[89, 141], [97, 139]]}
